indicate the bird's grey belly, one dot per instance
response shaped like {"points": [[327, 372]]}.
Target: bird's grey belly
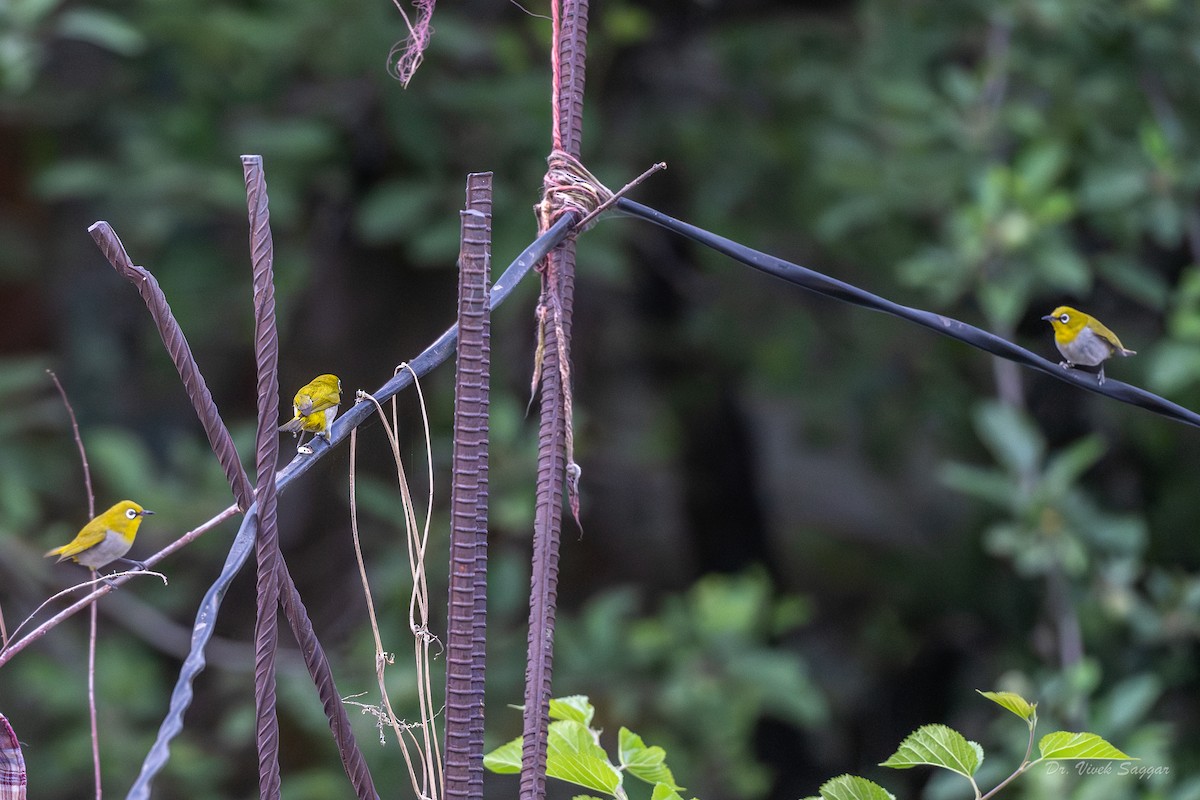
{"points": [[111, 548]]}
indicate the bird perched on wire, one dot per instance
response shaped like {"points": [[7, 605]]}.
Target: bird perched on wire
{"points": [[107, 538], [315, 406], [1084, 340]]}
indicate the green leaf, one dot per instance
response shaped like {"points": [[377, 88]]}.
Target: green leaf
{"points": [[664, 792], [572, 755], [1174, 366], [505, 759], [102, 29], [645, 763], [1066, 467], [1067, 745], [1040, 167], [852, 787], [574, 707], [395, 210], [937, 746], [1014, 703], [1012, 438], [990, 485]]}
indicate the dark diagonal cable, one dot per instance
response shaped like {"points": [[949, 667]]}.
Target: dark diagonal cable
{"points": [[976, 337]]}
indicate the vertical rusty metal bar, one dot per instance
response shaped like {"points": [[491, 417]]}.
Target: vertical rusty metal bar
{"points": [[465, 648], [479, 198], [558, 291], [266, 356]]}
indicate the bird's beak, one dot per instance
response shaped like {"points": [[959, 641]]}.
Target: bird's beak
{"points": [[145, 512], [1048, 317]]}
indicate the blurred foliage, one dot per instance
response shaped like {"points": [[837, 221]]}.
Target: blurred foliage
{"points": [[799, 517]]}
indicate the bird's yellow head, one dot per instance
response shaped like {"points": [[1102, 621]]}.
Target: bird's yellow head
{"points": [[124, 518], [1067, 322], [329, 384]]}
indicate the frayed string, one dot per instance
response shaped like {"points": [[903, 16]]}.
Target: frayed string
{"points": [[569, 186], [407, 54]]}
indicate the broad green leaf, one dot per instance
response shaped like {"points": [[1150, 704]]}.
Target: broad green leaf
{"points": [[664, 792], [1065, 467], [1174, 366], [991, 485], [1067, 745], [1011, 436], [575, 707], [1040, 167], [1013, 702], [852, 787], [937, 746], [572, 755], [505, 759], [646, 763]]}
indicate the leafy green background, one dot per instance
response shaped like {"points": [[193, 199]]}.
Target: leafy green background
{"points": [[809, 529]]}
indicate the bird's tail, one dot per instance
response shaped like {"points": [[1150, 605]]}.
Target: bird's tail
{"points": [[58, 551], [1121, 351], [292, 426]]}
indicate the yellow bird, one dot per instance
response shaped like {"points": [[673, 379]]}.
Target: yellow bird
{"points": [[106, 538], [314, 406], [1084, 340]]}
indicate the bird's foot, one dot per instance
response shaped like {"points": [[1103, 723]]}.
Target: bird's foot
{"points": [[304, 450]]}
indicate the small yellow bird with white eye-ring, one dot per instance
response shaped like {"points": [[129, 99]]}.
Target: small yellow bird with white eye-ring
{"points": [[1084, 340], [107, 538], [315, 407]]}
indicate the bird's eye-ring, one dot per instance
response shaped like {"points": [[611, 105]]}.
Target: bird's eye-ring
{"points": [[130, 513], [1064, 318]]}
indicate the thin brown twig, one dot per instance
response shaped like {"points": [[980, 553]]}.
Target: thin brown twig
{"points": [[86, 601], [428, 780], [87, 473], [93, 621], [423, 637], [617, 195], [91, 693], [103, 587], [382, 657]]}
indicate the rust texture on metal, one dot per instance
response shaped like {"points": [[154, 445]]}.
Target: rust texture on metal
{"points": [[558, 291], [468, 536]]}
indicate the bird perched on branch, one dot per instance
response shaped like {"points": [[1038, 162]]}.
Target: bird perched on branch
{"points": [[1084, 340], [105, 539], [315, 406]]}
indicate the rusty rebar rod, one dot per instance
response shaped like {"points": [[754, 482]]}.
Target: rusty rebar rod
{"points": [[266, 360], [467, 606], [557, 300]]}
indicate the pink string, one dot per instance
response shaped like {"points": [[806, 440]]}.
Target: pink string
{"points": [[406, 55]]}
